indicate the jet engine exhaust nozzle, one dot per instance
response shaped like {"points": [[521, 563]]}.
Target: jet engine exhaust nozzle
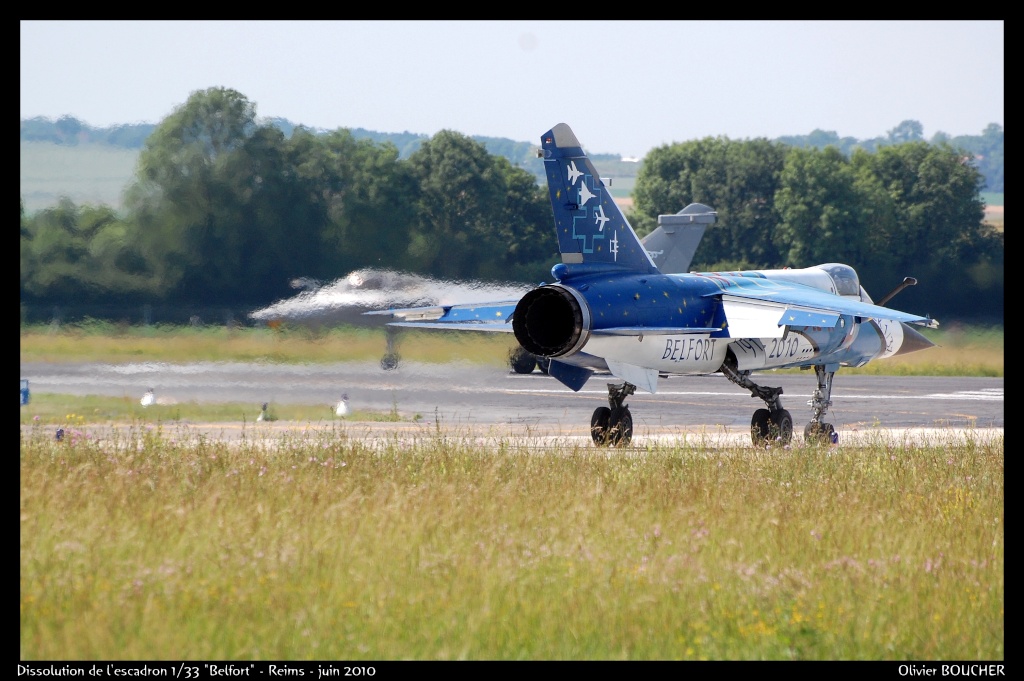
{"points": [[552, 321]]}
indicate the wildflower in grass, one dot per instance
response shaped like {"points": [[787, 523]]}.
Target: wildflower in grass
{"points": [[36, 417]]}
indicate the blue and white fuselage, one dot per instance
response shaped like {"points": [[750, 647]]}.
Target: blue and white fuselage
{"points": [[610, 307]]}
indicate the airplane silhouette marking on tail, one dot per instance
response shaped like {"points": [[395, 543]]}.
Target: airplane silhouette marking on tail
{"points": [[591, 228]]}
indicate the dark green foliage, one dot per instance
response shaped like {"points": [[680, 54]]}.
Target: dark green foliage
{"points": [[908, 209], [737, 179], [227, 209]]}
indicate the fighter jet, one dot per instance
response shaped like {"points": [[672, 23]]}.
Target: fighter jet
{"points": [[611, 308]]}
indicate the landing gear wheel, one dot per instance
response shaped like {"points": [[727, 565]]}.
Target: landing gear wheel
{"points": [[760, 425], [543, 363], [599, 425], [782, 426], [389, 361], [819, 433], [620, 427], [522, 361]]}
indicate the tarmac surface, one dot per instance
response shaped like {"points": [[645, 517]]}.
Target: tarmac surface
{"points": [[484, 402]]}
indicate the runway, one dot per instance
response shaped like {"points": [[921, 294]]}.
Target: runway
{"points": [[485, 401]]}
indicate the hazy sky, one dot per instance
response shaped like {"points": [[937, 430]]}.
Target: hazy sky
{"points": [[622, 86]]}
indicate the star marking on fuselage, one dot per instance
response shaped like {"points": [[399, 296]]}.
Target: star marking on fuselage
{"points": [[600, 218], [573, 173]]}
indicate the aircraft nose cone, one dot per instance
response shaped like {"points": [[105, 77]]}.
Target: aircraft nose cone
{"points": [[913, 340]]}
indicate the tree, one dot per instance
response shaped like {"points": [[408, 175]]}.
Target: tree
{"points": [[79, 253], [819, 210], [907, 131], [459, 187], [524, 226], [367, 196], [936, 232], [935, 193], [737, 179], [195, 176]]}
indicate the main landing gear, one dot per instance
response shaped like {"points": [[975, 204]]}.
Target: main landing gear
{"points": [[390, 360], [613, 425], [522, 361], [775, 424]]}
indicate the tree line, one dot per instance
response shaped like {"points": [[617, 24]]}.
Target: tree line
{"points": [[226, 209]]}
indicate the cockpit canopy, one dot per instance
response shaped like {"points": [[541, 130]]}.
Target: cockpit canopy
{"points": [[844, 277]]}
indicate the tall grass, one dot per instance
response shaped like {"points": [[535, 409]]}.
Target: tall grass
{"points": [[157, 545]]}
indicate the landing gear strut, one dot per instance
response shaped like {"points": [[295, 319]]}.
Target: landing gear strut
{"points": [[773, 424], [613, 425], [817, 431], [390, 359]]}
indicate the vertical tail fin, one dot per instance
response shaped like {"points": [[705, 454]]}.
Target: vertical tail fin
{"points": [[589, 225]]}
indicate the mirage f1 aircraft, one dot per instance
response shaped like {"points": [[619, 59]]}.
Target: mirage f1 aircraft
{"points": [[612, 309]]}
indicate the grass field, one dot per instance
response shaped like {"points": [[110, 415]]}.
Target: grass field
{"points": [[154, 544], [154, 547]]}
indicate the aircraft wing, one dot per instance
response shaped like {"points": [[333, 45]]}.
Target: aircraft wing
{"points": [[761, 308], [492, 317], [652, 330]]}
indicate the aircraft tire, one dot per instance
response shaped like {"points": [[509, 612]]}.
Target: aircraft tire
{"points": [[760, 425], [819, 433], [620, 427], [389, 361], [522, 361], [543, 363], [599, 426], [782, 426]]}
